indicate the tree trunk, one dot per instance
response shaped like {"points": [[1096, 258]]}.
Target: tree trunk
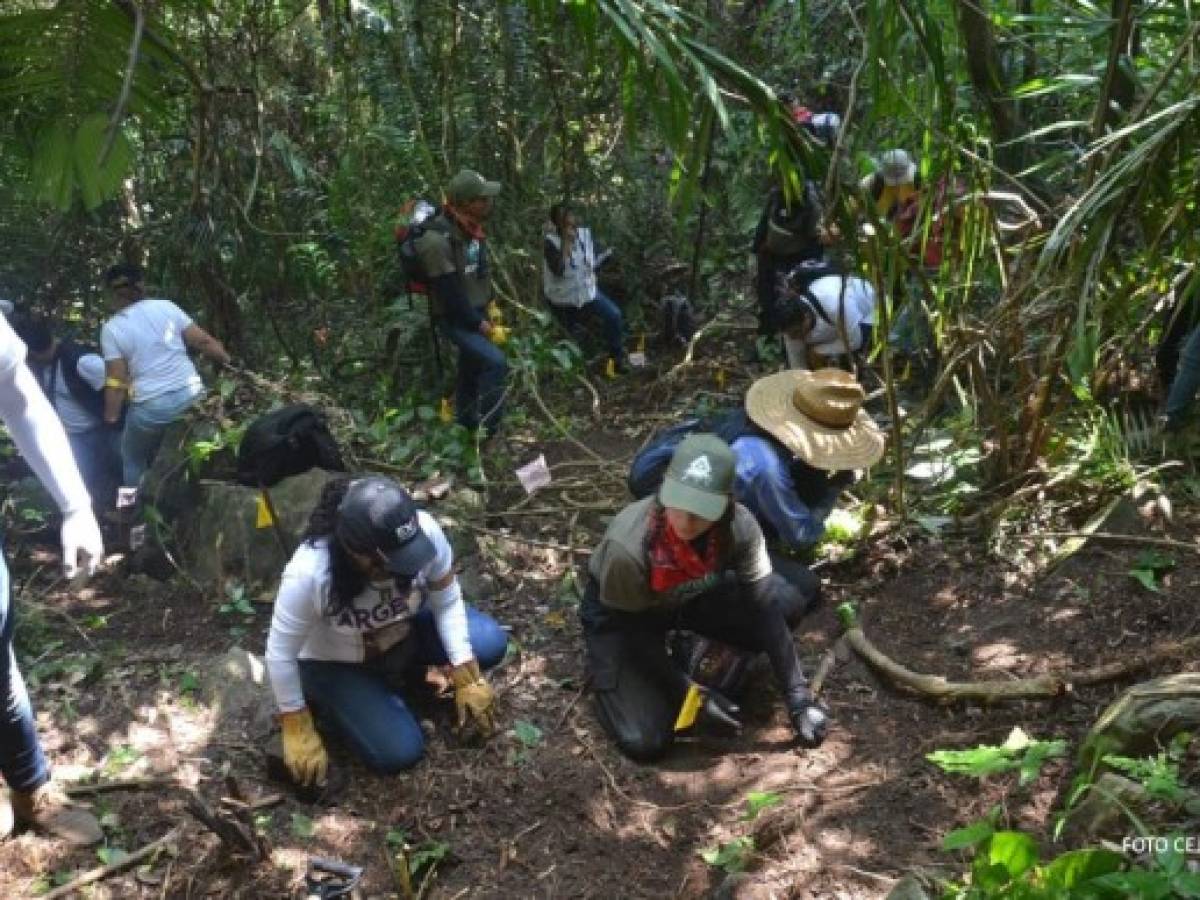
{"points": [[987, 78]]}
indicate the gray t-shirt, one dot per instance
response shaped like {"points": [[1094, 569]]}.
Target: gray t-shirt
{"points": [[622, 574]]}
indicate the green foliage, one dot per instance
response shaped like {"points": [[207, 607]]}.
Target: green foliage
{"points": [[302, 826], [120, 758], [527, 733], [418, 859], [1018, 753], [1158, 774], [730, 857], [1149, 567], [757, 801]]}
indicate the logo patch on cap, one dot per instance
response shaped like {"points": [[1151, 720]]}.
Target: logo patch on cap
{"points": [[405, 532], [698, 470]]}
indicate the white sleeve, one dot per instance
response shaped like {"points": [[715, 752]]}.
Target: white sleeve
{"points": [[91, 370], [450, 617], [443, 560], [181, 319], [35, 428], [297, 609], [108, 342], [449, 610]]}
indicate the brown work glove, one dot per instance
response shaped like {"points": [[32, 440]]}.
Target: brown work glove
{"points": [[473, 696], [303, 752]]}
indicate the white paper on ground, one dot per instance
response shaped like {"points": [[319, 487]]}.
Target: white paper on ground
{"points": [[535, 474]]}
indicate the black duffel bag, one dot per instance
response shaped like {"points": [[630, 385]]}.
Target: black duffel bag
{"points": [[286, 442]]}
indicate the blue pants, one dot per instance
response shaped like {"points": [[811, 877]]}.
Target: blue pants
{"points": [[611, 321], [98, 455], [145, 423], [360, 702], [22, 762], [479, 383], [1186, 381]]}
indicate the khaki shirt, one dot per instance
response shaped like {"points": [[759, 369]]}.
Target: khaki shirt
{"points": [[622, 571], [446, 248]]}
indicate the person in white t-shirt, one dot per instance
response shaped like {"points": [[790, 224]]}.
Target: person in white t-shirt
{"points": [[832, 316], [33, 801], [145, 346], [73, 378], [367, 602]]}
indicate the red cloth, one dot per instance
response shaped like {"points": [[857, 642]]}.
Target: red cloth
{"points": [[674, 561], [472, 227]]}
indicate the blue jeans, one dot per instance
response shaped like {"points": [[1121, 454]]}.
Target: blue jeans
{"points": [[611, 321], [479, 383], [22, 762], [1186, 381], [98, 455], [360, 702], [145, 424]]}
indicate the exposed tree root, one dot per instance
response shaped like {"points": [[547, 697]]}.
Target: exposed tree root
{"points": [[1039, 688]]}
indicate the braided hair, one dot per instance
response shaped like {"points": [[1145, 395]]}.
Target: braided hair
{"points": [[347, 579]]}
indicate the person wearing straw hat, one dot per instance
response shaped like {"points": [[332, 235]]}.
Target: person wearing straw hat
{"points": [[689, 558], [797, 442]]}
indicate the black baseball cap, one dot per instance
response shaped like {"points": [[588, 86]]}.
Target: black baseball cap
{"points": [[377, 516]]}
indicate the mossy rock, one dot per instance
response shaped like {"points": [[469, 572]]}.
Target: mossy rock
{"points": [[1143, 720]]}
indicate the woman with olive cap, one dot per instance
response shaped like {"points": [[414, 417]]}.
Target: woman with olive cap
{"points": [[688, 558], [367, 601]]}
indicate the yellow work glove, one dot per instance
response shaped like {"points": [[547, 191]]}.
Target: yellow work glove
{"points": [[494, 314], [473, 696], [303, 752], [498, 335]]}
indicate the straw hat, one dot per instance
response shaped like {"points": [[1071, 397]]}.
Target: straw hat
{"points": [[818, 416]]}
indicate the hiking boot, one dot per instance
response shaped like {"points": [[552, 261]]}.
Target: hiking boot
{"points": [[48, 810]]}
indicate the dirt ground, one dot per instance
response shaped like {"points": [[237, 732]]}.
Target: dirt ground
{"points": [[547, 808]]}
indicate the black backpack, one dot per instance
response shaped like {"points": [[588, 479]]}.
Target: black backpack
{"points": [[286, 442], [679, 320], [67, 359]]}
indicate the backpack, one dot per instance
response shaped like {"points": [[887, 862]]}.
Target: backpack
{"points": [[67, 359], [792, 230], [420, 214], [286, 442], [679, 320]]}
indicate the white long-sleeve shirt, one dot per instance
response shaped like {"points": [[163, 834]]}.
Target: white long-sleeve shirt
{"points": [[35, 428], [378, 620]]}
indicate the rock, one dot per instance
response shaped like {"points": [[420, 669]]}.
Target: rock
{"points": [[220, 541], [1101, 806], [1144, 719], [240, 695], [910, 887]]}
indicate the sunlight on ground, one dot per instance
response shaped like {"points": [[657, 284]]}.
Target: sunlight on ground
{"points": [[998, 655]]}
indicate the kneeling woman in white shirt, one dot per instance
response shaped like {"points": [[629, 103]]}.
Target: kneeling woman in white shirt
{"points": [[368, 600]]}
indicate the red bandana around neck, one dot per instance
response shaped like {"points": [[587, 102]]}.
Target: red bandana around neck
{"points": [[674, 561], [472, 227]]}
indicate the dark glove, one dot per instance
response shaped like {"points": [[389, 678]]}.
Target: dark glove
{"points": [[811, 723], [719, 710]]}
